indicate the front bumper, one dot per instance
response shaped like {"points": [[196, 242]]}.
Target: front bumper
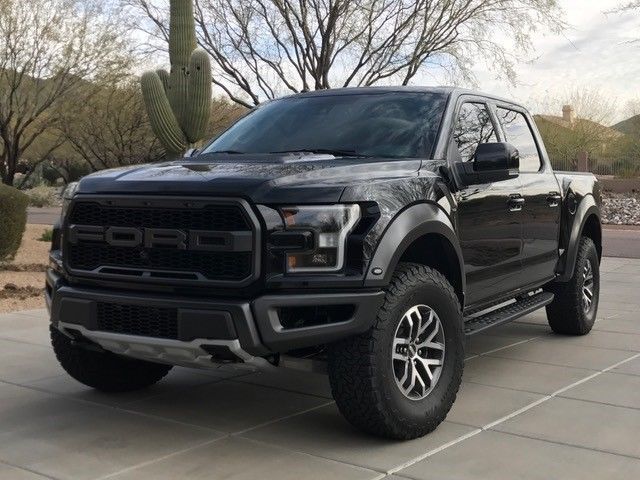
{"points": [[211, 329]]}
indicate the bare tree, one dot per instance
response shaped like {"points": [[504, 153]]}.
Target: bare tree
{"points": [[48, 49], [223, 114], [112, 129], [263, 48], [633, 5]]}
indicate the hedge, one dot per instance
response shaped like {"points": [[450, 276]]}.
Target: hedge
{"points": [[13, 218]]}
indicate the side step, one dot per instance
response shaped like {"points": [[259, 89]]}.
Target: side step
{"points": [[508, 313]]}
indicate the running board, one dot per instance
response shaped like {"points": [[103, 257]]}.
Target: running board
{"points": [[521, 307]]}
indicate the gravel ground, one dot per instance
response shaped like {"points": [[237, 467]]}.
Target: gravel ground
{"points": [[22, 281], [621, 209]]}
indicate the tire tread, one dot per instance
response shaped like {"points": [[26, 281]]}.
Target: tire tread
{"points": [[105, 371], [352, 369]]}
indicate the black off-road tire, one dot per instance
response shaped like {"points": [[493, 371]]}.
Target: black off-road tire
{"points": [[566, 314], [361, 372], [105, 371]]}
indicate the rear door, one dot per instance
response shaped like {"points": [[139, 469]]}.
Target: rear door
{"points": [[541, 192], [489, 227]]}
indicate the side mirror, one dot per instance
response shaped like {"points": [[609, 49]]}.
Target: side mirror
{"points": [[496, 157], [492, 162]]}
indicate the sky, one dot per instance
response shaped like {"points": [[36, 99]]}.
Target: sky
{"points": [[596, 52]]}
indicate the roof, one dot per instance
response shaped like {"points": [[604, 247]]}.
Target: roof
{"points": [[376, 89], [444, 90], [588, 124]]}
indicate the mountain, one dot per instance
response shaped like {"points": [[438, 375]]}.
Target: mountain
{"points": [[630, 126]]}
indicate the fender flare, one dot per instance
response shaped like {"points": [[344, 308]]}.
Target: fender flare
{"points": [[408, 226], [586, 208]]}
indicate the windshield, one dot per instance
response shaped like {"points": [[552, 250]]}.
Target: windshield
{"points": [[394, 124]]}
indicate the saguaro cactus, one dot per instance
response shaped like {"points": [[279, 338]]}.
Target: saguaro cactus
{"points": [[179, 102]]}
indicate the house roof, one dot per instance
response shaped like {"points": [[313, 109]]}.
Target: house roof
{"points": [[583, 123]]}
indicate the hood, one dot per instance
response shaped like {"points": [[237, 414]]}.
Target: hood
{"points": [[307, 178]]}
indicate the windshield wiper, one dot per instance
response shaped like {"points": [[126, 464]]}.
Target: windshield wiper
{"points": [[329, 151], [231, 152]]}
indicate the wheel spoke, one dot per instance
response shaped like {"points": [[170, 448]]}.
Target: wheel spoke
{"points": [[429, 361], [399, 356], [416, 323], [405, 375], [588, 286], [426, 324], [433, 334], [419, 379], [412, 385], [431, 345], [400, 342]]}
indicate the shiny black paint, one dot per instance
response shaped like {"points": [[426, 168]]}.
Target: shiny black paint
{"points": [[582, 199], [501, 251], [490, 238]]}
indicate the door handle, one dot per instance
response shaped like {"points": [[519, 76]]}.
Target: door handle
{"points": [[516, 202], [554, 199]]}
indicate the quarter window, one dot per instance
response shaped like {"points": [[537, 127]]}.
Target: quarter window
{"points": [[473, 127], [518, 133]]}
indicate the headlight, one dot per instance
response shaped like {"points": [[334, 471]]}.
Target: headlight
{"points": [[67, 195], [330, 225]]}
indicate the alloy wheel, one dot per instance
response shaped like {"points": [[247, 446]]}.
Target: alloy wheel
{"points": [[418, 352], [588, 286]]}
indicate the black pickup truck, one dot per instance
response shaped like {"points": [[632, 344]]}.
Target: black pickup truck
{"points": [[367, 229]]}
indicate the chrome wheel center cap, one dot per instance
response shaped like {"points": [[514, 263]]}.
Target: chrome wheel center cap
{"points": [[413, 350]]}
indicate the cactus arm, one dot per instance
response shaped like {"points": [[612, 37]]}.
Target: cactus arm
{"points": [[182, 32], [179, 92], [164, 77], [182, 41], [163, 121], [199, 104], [178, 102]]}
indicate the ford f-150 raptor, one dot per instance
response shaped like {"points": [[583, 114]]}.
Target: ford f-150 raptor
{"points": [[373, 229]]}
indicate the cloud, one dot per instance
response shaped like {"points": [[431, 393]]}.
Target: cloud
{"points": [[597, 52]]}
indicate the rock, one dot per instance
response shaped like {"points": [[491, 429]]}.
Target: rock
{"points": [[11, 286], [620, 209]]}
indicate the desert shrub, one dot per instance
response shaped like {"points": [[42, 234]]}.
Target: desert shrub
{"points": [[13, 218], [43, 196], [67, 170], [46, 236]]}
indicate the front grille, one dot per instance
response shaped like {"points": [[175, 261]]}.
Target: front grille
{"points": [[162, 263], [212, 217], [141, 320], [212, 265]]}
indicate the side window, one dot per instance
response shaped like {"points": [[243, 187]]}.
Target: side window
{"points": [[473, 127], [518, 133]]}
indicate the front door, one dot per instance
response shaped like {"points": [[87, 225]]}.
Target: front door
{"points": [[489, 216], [541, 193]]}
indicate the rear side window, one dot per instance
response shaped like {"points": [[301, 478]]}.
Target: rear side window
{"points": [[473, 127], [518, 133]]}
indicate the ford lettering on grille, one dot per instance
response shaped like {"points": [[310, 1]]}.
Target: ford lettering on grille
{"points": [[197, 241], [161, 237]]}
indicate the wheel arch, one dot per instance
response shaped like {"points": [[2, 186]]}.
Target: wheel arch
{"points": [[586, 223], [593, 229], [422, 234]]}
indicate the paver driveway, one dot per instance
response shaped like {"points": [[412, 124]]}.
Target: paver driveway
{"points": [[532, 405]]}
